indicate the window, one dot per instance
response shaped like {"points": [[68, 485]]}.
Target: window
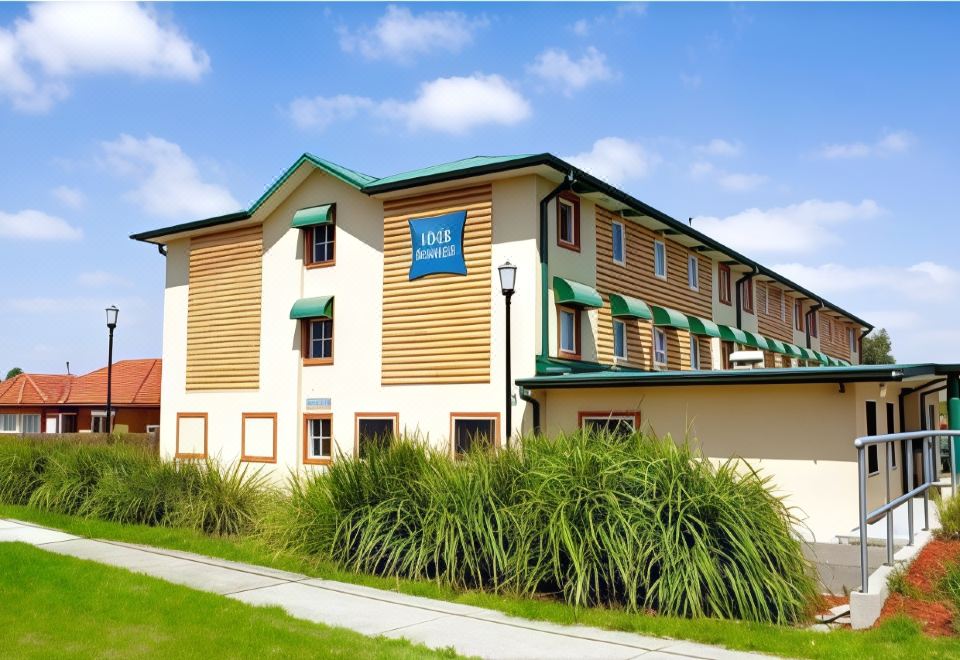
{"points": [[153, 428], [724, 284], [319, 241], [873, 464], [660, 259], [375, 429], [619, 244], [892, 428], [569, 332], [258, 437], [98, 420], [318, 439], [726, 349], [615, 423], [659, 347], [191, 435], [317, 341], [694, 352], [693, 272], [31, 423], [798, 315], [470, 430], [812, 323], [746, 295], [619, 340], [8, 423], [852, 340], [568, 221]]}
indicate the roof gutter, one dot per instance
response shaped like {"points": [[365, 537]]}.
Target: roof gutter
{"points": [[544, 248]]}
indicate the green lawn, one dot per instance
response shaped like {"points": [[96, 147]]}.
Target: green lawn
{"points": [[56, 606], [897, 639]]}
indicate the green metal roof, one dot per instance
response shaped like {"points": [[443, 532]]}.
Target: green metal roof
{"points": [[557, 366], [568, 292], [315, 215], [626, 307], [670, 318], [786, 375], [313, 308], [735, 335], [457, 166], [700, 326]]}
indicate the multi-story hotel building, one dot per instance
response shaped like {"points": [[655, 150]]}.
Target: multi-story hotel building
{"points": [[342, 307]]}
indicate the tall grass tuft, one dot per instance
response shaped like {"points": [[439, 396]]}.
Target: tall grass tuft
{"points": [[71, 473], [948, 512], [141, 490], [21, 471], [219, 500]]}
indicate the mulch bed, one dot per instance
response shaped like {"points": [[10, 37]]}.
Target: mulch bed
{"points": [[932, 612]]}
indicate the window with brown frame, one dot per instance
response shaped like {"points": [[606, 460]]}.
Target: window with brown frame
{"points": [[568, 332], [724, 283], [317, 343], [616, 423], [319, 244], [317, 439], [375, 429], [469, 429], [746, 296], [814, 323], [726, 349], [568, 221], [798, 315]]}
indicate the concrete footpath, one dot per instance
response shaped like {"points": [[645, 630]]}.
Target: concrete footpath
{"points": [[472, 631]]}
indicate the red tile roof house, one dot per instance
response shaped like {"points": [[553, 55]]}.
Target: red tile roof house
{"points": [[53, 403]]}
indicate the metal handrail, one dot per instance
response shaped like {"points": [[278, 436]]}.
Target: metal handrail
{"points": [[867, 517]]}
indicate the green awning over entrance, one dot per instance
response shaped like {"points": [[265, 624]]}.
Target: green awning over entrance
{"points": [[626, 307], [568, 292], [315, 215], [313, 308], [670, 317], [756, 341], [703, 327], [732, 334]]}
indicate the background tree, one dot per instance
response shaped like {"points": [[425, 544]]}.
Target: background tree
{"points": [[877, 348], [13, 373]]}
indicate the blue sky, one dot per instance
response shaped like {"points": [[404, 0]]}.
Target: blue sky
{"points": [[819, 139]]}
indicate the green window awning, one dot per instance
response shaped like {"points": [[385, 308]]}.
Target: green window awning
{"points": [[626, 307], [735, 335], [844, 363], [313, 308], [793, 351], [703, 327], [776, 346], [568, 292], [821, 358], [756, 341], [670, 318], [808, 354], [315, 215]]}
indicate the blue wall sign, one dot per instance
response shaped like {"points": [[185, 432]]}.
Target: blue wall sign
{"points": [[437, 245]]}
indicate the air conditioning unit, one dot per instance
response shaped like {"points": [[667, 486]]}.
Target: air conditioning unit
{"points": [[746, 359]]}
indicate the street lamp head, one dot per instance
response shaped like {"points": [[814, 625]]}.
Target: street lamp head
{"points": [[508, 278], [112, 313]]}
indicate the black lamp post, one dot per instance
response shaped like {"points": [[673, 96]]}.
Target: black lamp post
{"points": [[112, 313], [508, 277]]}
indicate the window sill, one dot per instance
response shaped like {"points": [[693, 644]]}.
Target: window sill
{"points": [[316, 362], [257, 459], [320, 264], [660, 277], [317, 461], [620, 263], [569, 356], [574, 247]]}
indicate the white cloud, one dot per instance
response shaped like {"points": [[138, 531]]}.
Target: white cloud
{"points": [[891, 142], [741, 182], [36, 226], [57, 41], [616, 160], [585, 26], [101, 278], [458, 104], [721, 147], [170, 184], [319, 112], [70, 197], [925, 280], [401, 34], [798, 228], [556, 68]]}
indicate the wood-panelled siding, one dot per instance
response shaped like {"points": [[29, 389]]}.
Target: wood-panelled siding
{"points": [[833, 336], [636, 279], [223, 310], [436, 329]]}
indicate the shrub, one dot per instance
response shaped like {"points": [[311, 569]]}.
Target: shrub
{"points": [[948, 511], [219, 500], [71, 473], [21, 469], [142, 490]]}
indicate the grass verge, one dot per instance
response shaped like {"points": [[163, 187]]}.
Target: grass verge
{"points": [[56, 606], [898, 638]]}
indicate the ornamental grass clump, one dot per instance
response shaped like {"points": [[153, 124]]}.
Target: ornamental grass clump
{"points": [[142, 490], [21, 469], [219, 500]]}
